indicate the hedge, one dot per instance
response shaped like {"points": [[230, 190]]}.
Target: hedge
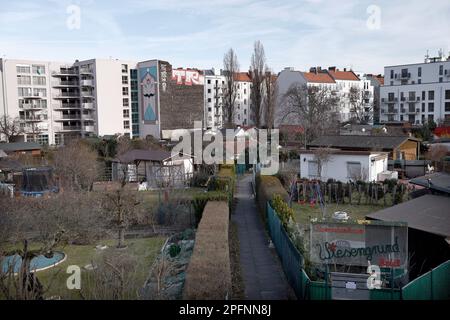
{"points": [[266, 188], [208, 276], [201, 199]]}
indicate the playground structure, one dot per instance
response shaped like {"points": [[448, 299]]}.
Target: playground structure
{"points": [[37, 182]]}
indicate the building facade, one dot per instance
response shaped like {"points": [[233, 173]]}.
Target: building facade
{"points": [[335, 81], [416, 93], [169, 99], [58, 101], [214, 86]]}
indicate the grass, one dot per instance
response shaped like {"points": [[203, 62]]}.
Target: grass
{"points": [[146, 249], [237, 283], [304, 213]]}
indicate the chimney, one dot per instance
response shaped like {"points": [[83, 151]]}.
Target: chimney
{"points": [[332, 68], [313, 70], [345, 69], [319, 69]]}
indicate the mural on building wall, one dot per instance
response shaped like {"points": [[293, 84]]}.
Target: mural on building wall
{"points": [[149, 91], [188, 77]]}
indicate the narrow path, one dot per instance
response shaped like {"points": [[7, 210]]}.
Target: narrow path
{"points": [[261, 270]]}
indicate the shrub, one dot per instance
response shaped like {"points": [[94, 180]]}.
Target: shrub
{"points": [[283, 210], [201, 199], [208, 275], [266, 188], [174, 250]]}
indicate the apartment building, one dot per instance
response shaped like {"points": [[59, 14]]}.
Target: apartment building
{"points": [[416, 93], [57, 101], [214, 86], [242, 112], [338, 82]]}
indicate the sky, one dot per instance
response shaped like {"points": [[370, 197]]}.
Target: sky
{"points": [[362, 35]]}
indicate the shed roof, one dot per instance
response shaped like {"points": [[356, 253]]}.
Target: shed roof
{"points": [[361, 142], [144, 155], [428, 213], [439, 181], [20, 146]]}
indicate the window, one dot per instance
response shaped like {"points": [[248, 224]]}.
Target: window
{"points": [[430, 118], [39, 81], [209, 81], [392, 74], [431, 95], [209, 99], [209, 90], [209, 109], [23, 69], [419, 72], [126, 102], [124, 79], [38, 92], [440, 79], [391, 96], [419, 81], [125, 91], [245, 111], [354, 170], [126, 113], [313, 169], [441, 70], [423, 95], [245, 91], [126, 124], [38, 69], [245, 101], [24, 92], [447, 94], [431, 107], [423, 106], [447, 107], [24, 80], [124, 68]]}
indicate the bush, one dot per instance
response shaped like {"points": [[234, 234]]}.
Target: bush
{"points": [[201, 199], [174, 250], [266, 188], [283, 210], [208, 275]]}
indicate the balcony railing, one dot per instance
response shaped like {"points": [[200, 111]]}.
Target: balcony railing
{"points": [[64, 72], [87, 105], [29, 106], [31, 119], [64, 83], [86, 71], [67, 95], [69, 128], [68, 117], [401, 76], [67, 106]]}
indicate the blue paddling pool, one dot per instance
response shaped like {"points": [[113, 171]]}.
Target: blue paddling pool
{"points": [[38, 263]]}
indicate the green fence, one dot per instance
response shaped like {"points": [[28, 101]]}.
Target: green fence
{"points": [[290, 257], [433, 285]]}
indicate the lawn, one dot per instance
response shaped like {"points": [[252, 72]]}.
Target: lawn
{"points": [[304, 213], [145, 249]]}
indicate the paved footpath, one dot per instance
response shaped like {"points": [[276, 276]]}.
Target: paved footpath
{"points": [[260, 267]]}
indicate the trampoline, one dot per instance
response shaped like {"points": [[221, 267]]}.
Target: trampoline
{"points": [[38, 263]]}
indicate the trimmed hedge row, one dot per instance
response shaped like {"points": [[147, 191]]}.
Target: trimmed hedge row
{"points": [[208, 276], [266, 188]]}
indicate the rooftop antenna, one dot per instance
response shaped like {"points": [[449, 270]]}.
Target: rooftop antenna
{"points": [[427, 57]]}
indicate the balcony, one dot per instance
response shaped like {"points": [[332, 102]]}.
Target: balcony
{"points": [[389, 111], [68, 128], [88, 128], [87, 105], [87, 83], [62, 83], [29, 106], [66, 117], [67, 95], [414, 99], [385, 100], [65, 72], [31, 119], [86, 71], [447, 72], [87, 94], [64, 106]]}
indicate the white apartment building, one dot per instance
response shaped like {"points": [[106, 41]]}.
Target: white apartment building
{"points": [[242, 112], [416, 93], [336, 81], [56, 101], [215, 83]]}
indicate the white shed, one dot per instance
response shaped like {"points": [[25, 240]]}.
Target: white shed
{"points": [[344, 165]]}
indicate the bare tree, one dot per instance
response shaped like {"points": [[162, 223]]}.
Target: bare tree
{"points": [[321, 156], [257, 71], [270, 96], [76, 165], [361, 111], [313, 107], [231, 68], [10, 128]]}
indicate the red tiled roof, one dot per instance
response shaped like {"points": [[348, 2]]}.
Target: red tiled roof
{"points": [[320, 77], [380, 79], [242, 76], [344, 75]]}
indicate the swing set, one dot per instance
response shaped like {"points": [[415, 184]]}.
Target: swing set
{"points": [[308, 193]]}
